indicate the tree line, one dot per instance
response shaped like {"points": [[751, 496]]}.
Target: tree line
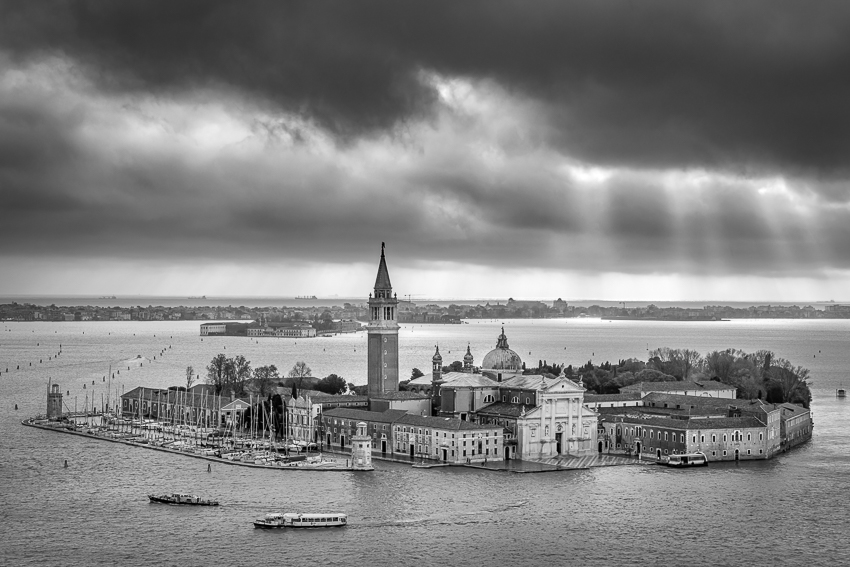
{"points": [[759, 374], [235, 374]]}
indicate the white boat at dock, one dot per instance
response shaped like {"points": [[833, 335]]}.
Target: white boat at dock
{"points": [[292, 520], [685, 460]]}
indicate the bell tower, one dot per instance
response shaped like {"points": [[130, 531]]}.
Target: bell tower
{"points": [[382, 333]]}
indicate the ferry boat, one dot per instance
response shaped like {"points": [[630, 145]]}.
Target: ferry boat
{"points": [[686, 460], [292, 520], [188, 499]]}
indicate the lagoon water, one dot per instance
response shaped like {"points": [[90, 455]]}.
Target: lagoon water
{"points": [[788, 511]]}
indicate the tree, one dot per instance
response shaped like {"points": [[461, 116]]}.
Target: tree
{"points": [[217, 372], [190, 377], [241, 369], [416, 373], [691, 360], [266, 377], [456, 366], [358, 390], [299, 372], [792, 382], [332, 384]]}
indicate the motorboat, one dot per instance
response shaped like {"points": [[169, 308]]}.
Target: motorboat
{"points": [[293, 520], [189, 499], [686, 460]]}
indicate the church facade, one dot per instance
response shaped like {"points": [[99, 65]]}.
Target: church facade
{"points": [[544, 416]]}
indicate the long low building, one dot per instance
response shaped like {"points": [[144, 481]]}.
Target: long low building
{"points": [[723, 429], [396, 432]]}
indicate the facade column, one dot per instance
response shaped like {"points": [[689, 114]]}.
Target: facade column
{"points": [[570, 418], [553, 408], [579, 417]]}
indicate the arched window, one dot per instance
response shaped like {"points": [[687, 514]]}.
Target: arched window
{"points": [[515, 400]]}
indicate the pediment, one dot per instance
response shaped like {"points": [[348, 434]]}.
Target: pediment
{"points": [[563, 385]]}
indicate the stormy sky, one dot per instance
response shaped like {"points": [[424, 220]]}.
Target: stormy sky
{"points": [[610, 150]]}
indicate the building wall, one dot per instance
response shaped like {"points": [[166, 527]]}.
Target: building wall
{"points": [[460, 446], [416, 407], [517, 396], [213, 329], [796, 430], [383, 361], [339, 429], [461, 401], [717, 444], [721, 444]]}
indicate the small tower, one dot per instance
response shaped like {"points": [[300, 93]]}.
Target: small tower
{"points": [[467, 361], [361, 449], [436, 367], [436, 380], [54, 402]]}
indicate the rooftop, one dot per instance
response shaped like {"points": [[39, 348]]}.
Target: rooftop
{"points": [[401, 396], [675, 386], [444, 423], [389, 416]]}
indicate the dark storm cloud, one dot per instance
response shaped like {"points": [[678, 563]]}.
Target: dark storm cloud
{"points": [[744, 86], [195, 132]]}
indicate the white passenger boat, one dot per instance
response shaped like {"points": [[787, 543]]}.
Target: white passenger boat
{"points": [[686, 460], [292, 520]]}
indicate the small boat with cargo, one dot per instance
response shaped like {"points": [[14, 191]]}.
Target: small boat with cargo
{"points": [[684, 460], [292, 520], [188, 499], [841, 392]]}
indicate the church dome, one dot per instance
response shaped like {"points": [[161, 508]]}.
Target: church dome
{"points": [[502, 357]]}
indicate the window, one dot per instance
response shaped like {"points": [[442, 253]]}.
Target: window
{"points": [[724, 438], [504, 398], [515, 400], [724, 453], [665, 436], [761, 436], [714, 438], [749, 437]]}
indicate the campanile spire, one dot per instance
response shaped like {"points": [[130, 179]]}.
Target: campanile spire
{"points": [[382, 333]]}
